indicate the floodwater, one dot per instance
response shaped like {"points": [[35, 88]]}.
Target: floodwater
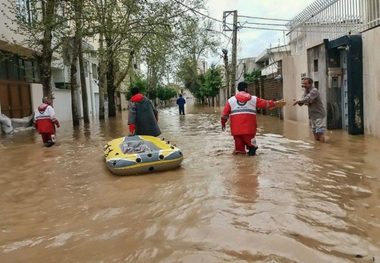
{"points": [[296, 201]]}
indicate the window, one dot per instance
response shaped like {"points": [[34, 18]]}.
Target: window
{"points": [[62, 85], [28, 70], [36, 72], [13, 68], [21, 67], [24, 10], [315, 65], [85, 65], [3, 66], [316, 84], [94, 71]]}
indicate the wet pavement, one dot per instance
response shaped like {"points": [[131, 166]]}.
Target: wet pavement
{"points": [[296, 201]]}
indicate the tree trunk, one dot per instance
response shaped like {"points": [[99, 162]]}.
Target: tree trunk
{"points": [[111, 89], [78, 6], [102, 78], [83, 83], [47, 53], [74, 81]]}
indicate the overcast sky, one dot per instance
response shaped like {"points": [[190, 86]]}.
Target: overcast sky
{"points": [[252, 42]]}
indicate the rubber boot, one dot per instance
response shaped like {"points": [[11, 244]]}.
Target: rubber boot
{"points": [[252, 150]]}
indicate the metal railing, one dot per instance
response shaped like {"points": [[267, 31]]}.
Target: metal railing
{"points": [[332, 19]]}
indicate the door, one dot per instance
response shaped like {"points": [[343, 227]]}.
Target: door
{"points": [[4, 99], [15, 99], [343, 65]]}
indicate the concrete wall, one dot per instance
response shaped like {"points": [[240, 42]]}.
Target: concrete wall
{"points": [[320, 76], [293, 67], [62, 104], [9, 40], [247, 64], [371, 81], [36, 95]]}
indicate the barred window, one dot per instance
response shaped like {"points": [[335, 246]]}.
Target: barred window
{"points": [[24, 9]]}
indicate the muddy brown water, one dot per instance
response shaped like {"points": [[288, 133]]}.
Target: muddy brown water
{"points": [[296, 201]]}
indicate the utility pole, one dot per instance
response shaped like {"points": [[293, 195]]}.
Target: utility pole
{"points": [[234, 28], [226, 72]]}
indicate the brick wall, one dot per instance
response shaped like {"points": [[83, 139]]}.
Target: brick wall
{"points": [[270, 89]]}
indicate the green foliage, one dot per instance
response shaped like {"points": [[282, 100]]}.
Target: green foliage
{"points": [[212, 82], [166, 93], [187, 72], [142, 84], [253, 76], [196, 41], [162, 93]]}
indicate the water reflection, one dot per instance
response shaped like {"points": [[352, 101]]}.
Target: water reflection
{"points": [[296, 201]]}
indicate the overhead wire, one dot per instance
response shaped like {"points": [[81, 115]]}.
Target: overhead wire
{"points": [[229, 40], [265, 18], [247, 22], [200, 13], [263, 24]]}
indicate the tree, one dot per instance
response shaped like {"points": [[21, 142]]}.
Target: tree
{"points": [[141, 83], [43, 25], [212, 83], [198, 40], [76, 8], [253, 76], [166, 93], [125, 26]]}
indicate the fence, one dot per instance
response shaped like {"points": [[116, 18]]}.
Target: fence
{"points": [[332, 19]]}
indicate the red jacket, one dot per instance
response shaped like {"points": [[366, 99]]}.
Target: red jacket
{"points": [[44, 118], [241, 109]]}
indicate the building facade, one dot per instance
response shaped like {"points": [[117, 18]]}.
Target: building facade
{"points": [[333, 41], [20, 88]]}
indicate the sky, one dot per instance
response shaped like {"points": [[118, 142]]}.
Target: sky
{"points": [[251, 42]]}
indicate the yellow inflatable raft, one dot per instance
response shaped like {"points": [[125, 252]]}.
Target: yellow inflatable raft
{"points": [[141, 154]]}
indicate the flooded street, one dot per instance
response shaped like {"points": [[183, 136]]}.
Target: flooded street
{"points": [[296, 201]]}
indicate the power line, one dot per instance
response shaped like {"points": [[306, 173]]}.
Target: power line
{"points": [[266, 18], [196, 11], [287, 30], [265, 28], [220, 32], [263, 24], [229, 40]]}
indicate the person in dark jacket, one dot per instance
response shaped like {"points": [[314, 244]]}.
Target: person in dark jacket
{"points": [[181, 104], [142, 117]]}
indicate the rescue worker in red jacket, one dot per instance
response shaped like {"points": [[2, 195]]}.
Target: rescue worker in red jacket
{"points": [[241, 109], [45, 121]]}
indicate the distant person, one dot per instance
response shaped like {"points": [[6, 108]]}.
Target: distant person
{"points": [[317, 113], [45, 121], [241, 109], [142, 117], [181, 104]]}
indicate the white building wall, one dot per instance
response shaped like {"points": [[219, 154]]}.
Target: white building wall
{"points": [[36, 95], [6, 30], [62, 104], [293, 68], [371, 81], [247, 64]]}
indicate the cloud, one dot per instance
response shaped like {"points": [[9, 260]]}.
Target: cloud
{"points": [[251, 42]]}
